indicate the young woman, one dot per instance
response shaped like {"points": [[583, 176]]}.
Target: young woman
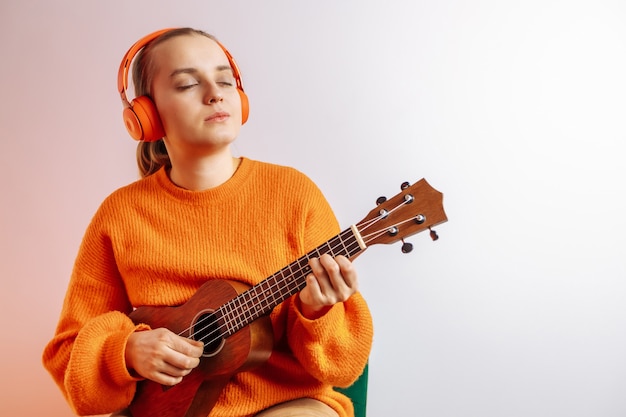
{"points": [[199, 214]]}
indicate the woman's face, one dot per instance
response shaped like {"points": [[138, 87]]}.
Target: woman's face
{"points": [[195, 94]]}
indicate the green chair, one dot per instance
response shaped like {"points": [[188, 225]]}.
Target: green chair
{"points": [[357, 392]]}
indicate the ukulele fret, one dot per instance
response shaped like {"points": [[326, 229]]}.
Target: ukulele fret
{"points": [[263, 297]]}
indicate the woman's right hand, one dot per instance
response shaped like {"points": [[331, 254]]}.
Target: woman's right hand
{"points": [[161, 355]]}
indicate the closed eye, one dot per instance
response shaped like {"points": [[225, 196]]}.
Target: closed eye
{"points": [[186, 86]]}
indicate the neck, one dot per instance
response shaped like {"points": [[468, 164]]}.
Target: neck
{"points": [[200, 174]]}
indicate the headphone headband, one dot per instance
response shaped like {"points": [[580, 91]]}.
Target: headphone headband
{"points": [[122, 74], [140, 115]]}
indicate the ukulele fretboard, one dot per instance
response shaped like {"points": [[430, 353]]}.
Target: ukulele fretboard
{"points": [[263, 297]]}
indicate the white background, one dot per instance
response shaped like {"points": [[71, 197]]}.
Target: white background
{"points": [[514, 110]]}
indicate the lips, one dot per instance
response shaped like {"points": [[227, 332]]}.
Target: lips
{"points": [[217, 117]]}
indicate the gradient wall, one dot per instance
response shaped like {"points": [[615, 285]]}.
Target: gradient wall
{"points": [[515, 110]]}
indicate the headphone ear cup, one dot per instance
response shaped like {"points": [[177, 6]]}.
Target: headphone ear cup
{"points": [[142, 120], [245, 109]]}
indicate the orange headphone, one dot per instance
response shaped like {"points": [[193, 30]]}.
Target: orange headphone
{"points": [[140, 115]]}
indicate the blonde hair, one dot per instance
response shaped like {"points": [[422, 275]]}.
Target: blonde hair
{"points": [[151, 156]]}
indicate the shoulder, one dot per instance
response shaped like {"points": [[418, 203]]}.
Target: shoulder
{"points": [[128, 198], [131, 191], [285, 176], [294, 195], [275, 169], [286, 184]]}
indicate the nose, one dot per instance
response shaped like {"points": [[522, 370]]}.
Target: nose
{"points": [[213, 94]]}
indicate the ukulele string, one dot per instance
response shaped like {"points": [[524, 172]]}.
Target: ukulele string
{"points": [[303, 269], [367, 238], [229, 309], [216, 334], [374, 235], [256, 296]]}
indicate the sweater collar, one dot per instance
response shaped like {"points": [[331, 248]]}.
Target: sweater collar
{"points": [[226, 190]]}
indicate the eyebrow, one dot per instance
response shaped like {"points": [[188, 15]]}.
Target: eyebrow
{"points": [[219, 68]]}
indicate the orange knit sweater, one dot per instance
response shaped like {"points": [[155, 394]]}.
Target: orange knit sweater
{"points": [[152, 243]]}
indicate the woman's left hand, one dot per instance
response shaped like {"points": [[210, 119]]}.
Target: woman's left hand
{"points": [[333, 280]]}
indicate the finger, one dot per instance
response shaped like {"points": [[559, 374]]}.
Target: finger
{"points": [[348, 272], [166, 379], [332, 271], [316, 267], [189, 347], [313, 288], [162, 372], [173, 371], [340, 275], [180, 362], [314, 303], [312, 295], [184, 346], [321, 276]]}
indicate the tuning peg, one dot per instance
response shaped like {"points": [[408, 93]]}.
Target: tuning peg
{"points": [[433, 234], [406, 247], [405, 185], [380, 200]]}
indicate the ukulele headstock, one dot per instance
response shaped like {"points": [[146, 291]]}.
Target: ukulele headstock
{"points": [[416, 208]]}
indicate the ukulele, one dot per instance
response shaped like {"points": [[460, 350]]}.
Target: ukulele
{"points": [[232, 318]]}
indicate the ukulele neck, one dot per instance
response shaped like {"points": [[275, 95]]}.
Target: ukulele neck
{"points": [[262, 298]]}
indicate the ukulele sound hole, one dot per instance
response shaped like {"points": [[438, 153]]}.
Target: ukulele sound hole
{"points": [[207, 330]]}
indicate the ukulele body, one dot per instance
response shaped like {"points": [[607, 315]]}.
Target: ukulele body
{"points": [[197, 393]]}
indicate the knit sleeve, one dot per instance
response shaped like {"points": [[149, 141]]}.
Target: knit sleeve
{"points": [[86, 355], [335, 347]]}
